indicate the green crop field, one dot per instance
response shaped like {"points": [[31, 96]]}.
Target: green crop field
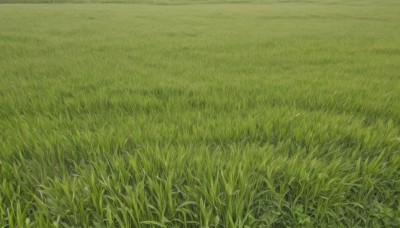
{"points": [[200, 113]]}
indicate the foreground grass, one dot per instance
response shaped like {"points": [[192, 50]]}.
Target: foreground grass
{"points": [[278, 114]]}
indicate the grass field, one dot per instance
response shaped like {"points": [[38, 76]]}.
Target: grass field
{"points": [[257, 114]]}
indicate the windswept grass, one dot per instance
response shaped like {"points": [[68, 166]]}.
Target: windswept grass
{"points": [[211, 115]]}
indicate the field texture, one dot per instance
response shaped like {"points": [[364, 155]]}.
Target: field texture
{"points": [[272, 114]]}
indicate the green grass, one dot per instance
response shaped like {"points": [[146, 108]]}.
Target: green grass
{"points": [[273, 114]]}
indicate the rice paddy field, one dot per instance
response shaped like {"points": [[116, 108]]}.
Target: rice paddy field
{"points": [[200, 114]]}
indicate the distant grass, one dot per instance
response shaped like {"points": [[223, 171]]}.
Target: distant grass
{"points": [[151, 2], [191, 2], [229, 115]]}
